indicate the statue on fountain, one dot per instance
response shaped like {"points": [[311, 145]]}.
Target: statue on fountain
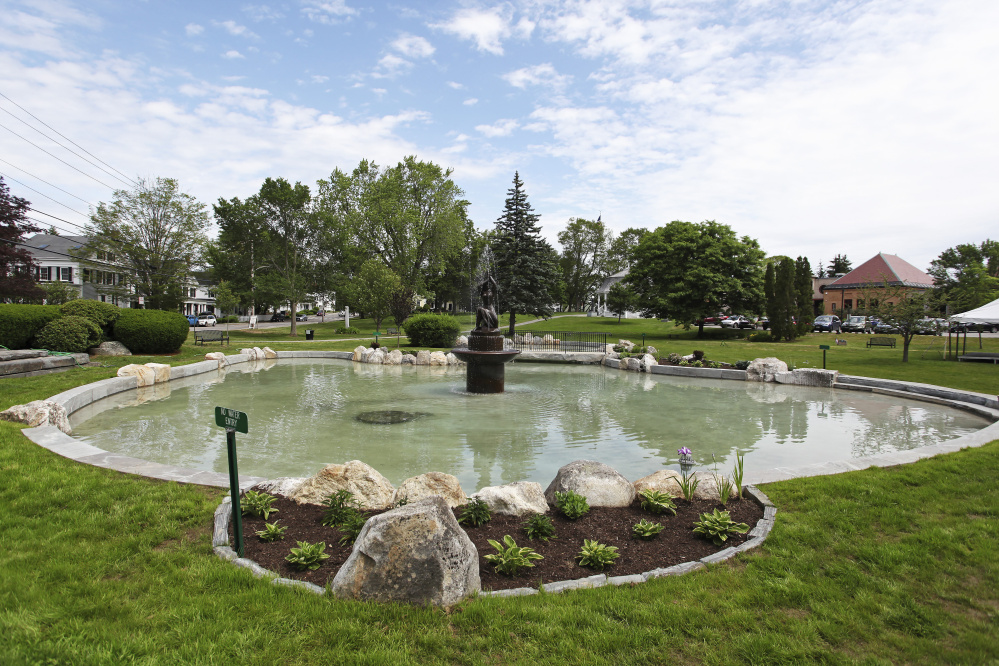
{"points": [[486, 319]]}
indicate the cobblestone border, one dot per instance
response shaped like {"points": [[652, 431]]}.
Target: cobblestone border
{"points": [[759, 533]]}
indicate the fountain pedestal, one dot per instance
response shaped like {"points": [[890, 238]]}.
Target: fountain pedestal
{"points": [[484, 358]]}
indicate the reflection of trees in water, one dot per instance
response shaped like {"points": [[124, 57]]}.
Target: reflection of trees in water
{"points": [[898, 428]]}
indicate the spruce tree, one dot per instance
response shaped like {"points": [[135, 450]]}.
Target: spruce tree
{"points": [[780, 295], [523, 259], [805, 307]]}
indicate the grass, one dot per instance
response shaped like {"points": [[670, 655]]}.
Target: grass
{"points": [[894, 565]]}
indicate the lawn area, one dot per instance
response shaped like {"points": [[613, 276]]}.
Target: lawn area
{"points": [[879, 566]]}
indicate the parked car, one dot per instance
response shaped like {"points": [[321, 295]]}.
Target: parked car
{"points": [[737, 321], [764, 323], [207, 319], [930, 326], [708, 321], [884, 326], [192, 320], [856, 324], [827, 324], [301, 316], [278, 316]]}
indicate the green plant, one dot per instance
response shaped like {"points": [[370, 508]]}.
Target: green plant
{"points": [[308, 556], [688, 485], [512, 558], [402, 501], [346, 330], [539, 526], [644, 529], [350, 527], [718, 526], [742, 365], [697, 364], [475, 513], [597, 555], [19, 324], [760, 336], [340, 506], [571, 504], [102, 314], [657, 502], [272, 531], [151, 331], [69, 334], [430, 330], [674, 358], [738, 473], [258, 504]]}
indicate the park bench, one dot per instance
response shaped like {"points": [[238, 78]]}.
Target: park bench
{"points": [[393, 331], [881, 342], [979, 356], [201, 337]]}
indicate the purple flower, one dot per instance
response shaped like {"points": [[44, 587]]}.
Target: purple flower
{"points": [[683, 451]]}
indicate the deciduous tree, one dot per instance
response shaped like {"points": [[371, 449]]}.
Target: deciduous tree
{"points": [[622, 248], [620, 299], [967, 275], [584, 253], [17, 283]]}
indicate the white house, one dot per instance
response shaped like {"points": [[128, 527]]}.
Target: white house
{"points": [[598, 307]]}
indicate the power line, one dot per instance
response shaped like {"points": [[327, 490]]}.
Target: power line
{"points": [[42, 193], [58, 158], [68, 139], [68, 232], [90, 262], [46, 182], [35, 210]]}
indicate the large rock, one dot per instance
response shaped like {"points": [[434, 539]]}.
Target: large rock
{"points": [[808, 377], [284, 485], [438, 358], [600, 484], [408, 359], [375, 356], [632, 364], [370, 488], [38, 413], [359, 352], [269, 353], [668, 481], [461, 341], [161, 372], [648, 360], [431, 484], [423, 357], [110, 348], [144, 375], [452, 359], [416, 553], [765, 369], [514, 499]]}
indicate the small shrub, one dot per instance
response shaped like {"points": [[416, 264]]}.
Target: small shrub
{"points": [[151, 331], [738, 473], [258, 504], [308, 556], [69, 334], [102, 314], [597, 555], [742, 365], [571, 504], [674, 358], [346, 330], [402, 501], [698, 355], [688, 485], [229, 319], [540, 527], [657, 502], [718, 526], [429, 330], [644, 529], [272, 532], [475, 513], [697, 364], [350, 527], [511, 558], [340, 506], [19, 324], [760, 336]]}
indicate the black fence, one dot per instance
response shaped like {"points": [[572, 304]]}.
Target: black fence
{"points": [[576, 341]]}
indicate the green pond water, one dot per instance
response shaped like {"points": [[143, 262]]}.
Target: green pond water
{"points": [[305, 413]]}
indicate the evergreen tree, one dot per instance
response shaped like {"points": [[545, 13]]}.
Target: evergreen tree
{"points": [[839, 265], [804, 305], [524, 260], [779, 285]]}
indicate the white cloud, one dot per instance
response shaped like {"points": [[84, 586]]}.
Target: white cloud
{"points": [[262, 13], [235, 29], [193, 29], [413, 46], [233, 55], [537, 75], [319, 78], [391, 65], [327, 12], [471, 101], [486, 27], [455, 85], [503, 127]]}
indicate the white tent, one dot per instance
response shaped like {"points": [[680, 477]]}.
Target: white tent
{"points": [[987, 314]]}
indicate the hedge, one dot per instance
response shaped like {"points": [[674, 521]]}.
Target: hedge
{"points": [[102, 314], [151, 331], [432, 330], [69, 334], [19, 324]]}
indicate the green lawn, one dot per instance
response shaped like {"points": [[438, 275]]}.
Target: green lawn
{"points": [[881, 566]]}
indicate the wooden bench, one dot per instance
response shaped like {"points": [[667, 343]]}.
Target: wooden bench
{"points": [[201, 337], [881, 342], [979, 356], [393, 331]]}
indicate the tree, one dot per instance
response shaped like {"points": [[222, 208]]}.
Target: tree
{"points": [[226, 300], [524, 260], [621, 299], [237, 256], [584, 251], [803, 292], [401, 304], [374, 289], [966, 276], [155, 233], [57, 293], [621, 250], [839, 265], [779, 288], [901, 307], [17, 265], [687, 271]]}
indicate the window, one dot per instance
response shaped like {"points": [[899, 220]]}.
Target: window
{"points": [[192, 292], [43, 273], [833, 308], [860, 303], [848, 304], [66, 274]]}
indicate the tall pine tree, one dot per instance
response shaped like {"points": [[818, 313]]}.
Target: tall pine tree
{"points": [[805, 306], [526, 263]]}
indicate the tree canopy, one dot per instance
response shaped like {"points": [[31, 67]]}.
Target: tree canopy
{"points": [[584, 255], [967, 275], [17, 283]]}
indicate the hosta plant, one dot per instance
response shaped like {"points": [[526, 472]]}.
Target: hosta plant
{"points": [[718, 526], [258, 504], [644, 529], [539, 526], [597, 555], [657, 502], [571, 504], [272, 531], [340, 506], [308, 556], [350, 527], [511, 558], [475, 513]]}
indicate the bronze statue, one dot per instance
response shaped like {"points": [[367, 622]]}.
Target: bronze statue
{"points": [[486, 319]]}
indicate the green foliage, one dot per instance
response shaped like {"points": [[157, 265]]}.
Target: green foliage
{"points": [[571, 504], [718, 526], [674, 358], [346, 330], [19, 324], [539, 526], [59, 293], [308, 556], [373, 288], [621, 298], [645, 529], [102, 314], [151, 331], [350, 527], [584, 247], [688, 485], [597, 555], [738, 473], [476, 512], [742, 365], [781, 298], [758, 336], [340, 507], [258, 504], [657, 502], [69, 334], [272, 531], [511, 558], [432, 330]]}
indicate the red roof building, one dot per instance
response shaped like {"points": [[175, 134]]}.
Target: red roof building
{"points": [[847, 293]]}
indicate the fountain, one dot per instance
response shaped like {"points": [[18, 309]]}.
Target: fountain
{"points": [[485, 356]]}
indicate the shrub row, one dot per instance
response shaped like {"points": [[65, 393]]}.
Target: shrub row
{"points": [[430, 330], [19, 324]]}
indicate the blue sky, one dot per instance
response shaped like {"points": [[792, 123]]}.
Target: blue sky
{"points": [[816, 127]]}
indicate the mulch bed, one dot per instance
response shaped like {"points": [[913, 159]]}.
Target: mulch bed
{"points": [[676, 543]]}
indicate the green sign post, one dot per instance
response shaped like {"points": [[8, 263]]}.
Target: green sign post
{"points": [[233, 422], [824, 349]]}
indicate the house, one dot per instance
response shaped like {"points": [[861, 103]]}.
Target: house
{"points": [[847, 293], [598, 306]]}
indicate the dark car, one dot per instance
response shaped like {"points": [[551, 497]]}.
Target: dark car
{"points": [[856, 324], [884, 326], [278, 316], [827, 324]]}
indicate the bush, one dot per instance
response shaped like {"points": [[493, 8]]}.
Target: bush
{"points": [[742, 365], [102, 314], [429, 330], [346, 330], [229, 319], [760, 336], [69, 334], [151, 331], [19, 324]]}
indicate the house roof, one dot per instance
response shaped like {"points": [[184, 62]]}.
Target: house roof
{"points": [[883, 268], [44, 246], [611, 280]]}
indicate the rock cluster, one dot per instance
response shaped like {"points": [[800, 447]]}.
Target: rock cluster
{"points": [[110, 348], [380, 356], [38, 413]]}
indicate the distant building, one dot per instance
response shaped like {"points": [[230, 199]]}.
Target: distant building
{"points": [[599, 308], [847, 293]]}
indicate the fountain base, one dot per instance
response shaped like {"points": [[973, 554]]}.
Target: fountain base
{"points": [[485, 358]]}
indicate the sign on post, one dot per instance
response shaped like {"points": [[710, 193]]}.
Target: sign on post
{"points": [[230, 418], [824, 349], [233, 421]]}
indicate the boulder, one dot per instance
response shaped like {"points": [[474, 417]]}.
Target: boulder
{"points": [[631, 363], [284, 486], [423, 357], [431, 484], [110, 348], [508, 344], [548, 339], [438, 358], [765, 369], [269, 353], [600, 484], [609, 349], [514, 499], [452, 359], [359, 352], [628, 345], [648, 360], [38, 413], [416, 553], [394, 357], [668, 481], [652, 350], [375, 356], [161, 372], [808, 377], [408, 359], [215, 356], [370, 488], [144, 375], [461, 341]]}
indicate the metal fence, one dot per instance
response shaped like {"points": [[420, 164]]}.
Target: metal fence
{"points": [[560, 341]]}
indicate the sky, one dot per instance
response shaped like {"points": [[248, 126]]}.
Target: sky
{"points": [[816, 127]]}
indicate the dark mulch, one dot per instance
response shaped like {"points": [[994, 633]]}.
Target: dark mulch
{"points": [[611, 526]]}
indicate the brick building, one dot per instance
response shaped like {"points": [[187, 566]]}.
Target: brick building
{"points": [[848, 292]]}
